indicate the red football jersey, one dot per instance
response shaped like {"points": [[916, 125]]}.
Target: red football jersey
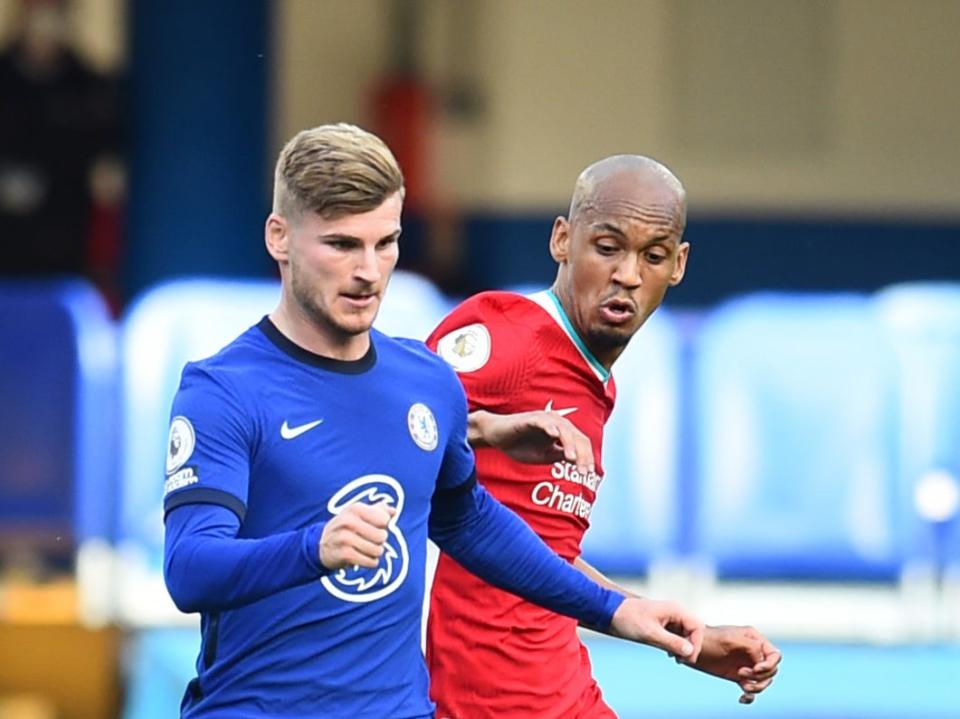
{"points": [[490, 653]]}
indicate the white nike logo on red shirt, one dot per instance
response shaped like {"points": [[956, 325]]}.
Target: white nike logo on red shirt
{"points": [[561, 412]]}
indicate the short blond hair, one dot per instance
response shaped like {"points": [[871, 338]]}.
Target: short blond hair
{"points": [[334, 170]]}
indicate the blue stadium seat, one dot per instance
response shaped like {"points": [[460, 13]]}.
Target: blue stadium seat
{"points": [[412, 308], [795, 427], [637, 515], [527, 288], [58, 444], [923, 322], [168, 326], [161, 662]]}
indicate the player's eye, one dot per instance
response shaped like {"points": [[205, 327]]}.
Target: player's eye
{"points": [[607, 248], [655, 258], [386, 243]]}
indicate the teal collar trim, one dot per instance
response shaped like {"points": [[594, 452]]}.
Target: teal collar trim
{"points": [[568, 326]]}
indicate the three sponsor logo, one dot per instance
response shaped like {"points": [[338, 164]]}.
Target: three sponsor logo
{"points": [[359, 584]]}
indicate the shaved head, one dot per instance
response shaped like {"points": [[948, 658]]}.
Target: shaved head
{"points": [[619, 250], [620, 176]]}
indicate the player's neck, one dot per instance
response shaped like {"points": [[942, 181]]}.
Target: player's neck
{"points": [[606, 356], [318, 338]]}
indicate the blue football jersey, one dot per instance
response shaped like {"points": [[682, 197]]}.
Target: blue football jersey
{"points": [[286, 438]]}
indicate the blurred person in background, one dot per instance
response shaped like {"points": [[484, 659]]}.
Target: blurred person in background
{"points": [[546, 359], [61, 179], [309, 460]]}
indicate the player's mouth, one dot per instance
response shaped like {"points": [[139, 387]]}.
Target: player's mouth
{"points": [[617, 311], [360, 300]]}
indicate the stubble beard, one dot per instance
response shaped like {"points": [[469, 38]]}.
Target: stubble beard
{"points": [[322, 318], [603, 340]]}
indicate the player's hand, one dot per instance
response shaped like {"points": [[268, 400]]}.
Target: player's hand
{"points": [[356, 536], [539, 437], [741, 655], [664, 625]]}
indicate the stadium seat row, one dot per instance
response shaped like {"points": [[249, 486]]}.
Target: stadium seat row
{"points": [[789, 436], [811, 436]]}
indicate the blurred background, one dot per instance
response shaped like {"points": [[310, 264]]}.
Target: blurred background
{"points": [[786, 446]]}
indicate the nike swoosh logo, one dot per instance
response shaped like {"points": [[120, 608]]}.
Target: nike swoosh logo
{"points": [[561, 412], [288, 432]]}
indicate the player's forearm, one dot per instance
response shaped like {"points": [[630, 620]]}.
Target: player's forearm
{"points": [[710, 635], [604, 581], [476, 428], [496, 545], [207, 568], [599, 577]]}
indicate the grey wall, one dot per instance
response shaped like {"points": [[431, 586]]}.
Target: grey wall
{"points": [[812, 106]]}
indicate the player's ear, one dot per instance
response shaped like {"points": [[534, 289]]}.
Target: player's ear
{"points": [[276, 236], [681, 266], [560, 239]]}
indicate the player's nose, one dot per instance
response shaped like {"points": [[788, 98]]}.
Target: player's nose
{"points": [[368, 268], [627, 272]]}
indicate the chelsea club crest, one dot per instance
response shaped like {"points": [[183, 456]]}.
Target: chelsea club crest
{"points": [[422, 426]]}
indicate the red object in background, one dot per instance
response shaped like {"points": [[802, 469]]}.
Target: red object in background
{"points": [[402, 115], [103, 250]]}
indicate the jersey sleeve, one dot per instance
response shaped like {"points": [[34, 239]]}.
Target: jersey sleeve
{"points": [[487, 351], [208, 569], [479, 532], [209, 446], [457, 471]]}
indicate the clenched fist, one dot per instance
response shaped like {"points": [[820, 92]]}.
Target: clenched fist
{"points": [[356, 536]]}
